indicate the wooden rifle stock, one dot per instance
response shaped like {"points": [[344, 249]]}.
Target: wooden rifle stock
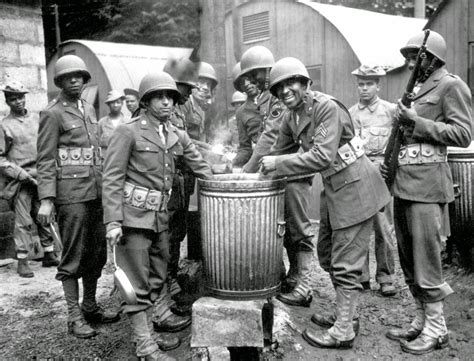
{"points": [[395, 141]]}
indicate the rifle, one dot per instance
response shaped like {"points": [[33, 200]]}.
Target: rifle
{"points": [[394, 142]]}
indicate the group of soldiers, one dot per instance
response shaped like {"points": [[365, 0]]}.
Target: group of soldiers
{"points": [[129, 181]]}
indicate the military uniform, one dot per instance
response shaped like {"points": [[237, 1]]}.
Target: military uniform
{"points": [[373, 123], [18, 155], [106, 128], [249, 127], [443, 105], [138, 178], [70, 172]]}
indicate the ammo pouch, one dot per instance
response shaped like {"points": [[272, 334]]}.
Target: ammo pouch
{"points": [[346, 155], [421, 153], [79, 156], [141, 197]]}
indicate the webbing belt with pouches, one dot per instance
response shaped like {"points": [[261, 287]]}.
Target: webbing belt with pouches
{"points": [[421, 153], [79, 156], [141, 197], [347, 154]]}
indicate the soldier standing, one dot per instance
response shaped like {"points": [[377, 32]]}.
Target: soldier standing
{"points": [[69, 177], [323, 128], [18, 133], [256, 63], [138, 178], [440, 116], [115, 117], [237, 100], [373, 119], [131, 100]]}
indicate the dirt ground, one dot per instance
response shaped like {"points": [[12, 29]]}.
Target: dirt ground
{"points": [[33, 322]]}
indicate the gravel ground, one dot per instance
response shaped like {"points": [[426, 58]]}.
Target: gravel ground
{"points": [[33, 322]]}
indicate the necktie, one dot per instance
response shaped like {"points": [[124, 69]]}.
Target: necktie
{"points": [[161, 134], [80, 106]]}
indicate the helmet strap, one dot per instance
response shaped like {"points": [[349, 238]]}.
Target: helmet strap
{"points": [[431, 68]]}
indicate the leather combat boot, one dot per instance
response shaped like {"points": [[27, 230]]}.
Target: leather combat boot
{"points": [[90, 309], [167, 343], [387, 290], [24, 269], [301, 295], [342, 334], [434, 335], [50, 260], [415, 328], [327, 321], [181, 310], [173, 323], [291, 278], [145, 347], [76, 324]]}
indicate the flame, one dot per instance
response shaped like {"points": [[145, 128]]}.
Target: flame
{"points": [[218, 149]]}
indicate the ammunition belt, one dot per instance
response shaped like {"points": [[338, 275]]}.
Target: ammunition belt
{"points": [[141, 197], [421, 153], [79, 156], [347, 154]]}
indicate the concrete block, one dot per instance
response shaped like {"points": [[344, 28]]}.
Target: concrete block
{"points": [[40, 33], [218, 354], [32, 54], [9, 53], [225, 323]]}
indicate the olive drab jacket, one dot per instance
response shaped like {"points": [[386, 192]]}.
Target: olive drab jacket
{"points": [[443, 105], [271, 111], [69, 163], [249, 127], [137, 156], [354, 193]]}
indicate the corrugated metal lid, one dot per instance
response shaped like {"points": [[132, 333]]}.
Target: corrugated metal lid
{"points": [[126, 64], [375, 38]]}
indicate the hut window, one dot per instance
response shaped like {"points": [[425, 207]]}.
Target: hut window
{"points": [[314, 72], [256, 27]]}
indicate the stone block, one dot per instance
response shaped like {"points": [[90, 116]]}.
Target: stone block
{"points": [[225, 323], [29, 76], [36, 101], [32, 54], [9, 53], [21, 29], [40, 33]]}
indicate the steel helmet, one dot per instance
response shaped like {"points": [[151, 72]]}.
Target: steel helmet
{"points": [[153, 82], [257, 57], [236, 70], [435, 45], [206, 70], [238, 97], [182, 70], [284, 69], [68, 64]]}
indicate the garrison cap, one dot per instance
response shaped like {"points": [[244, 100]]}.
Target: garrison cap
{"points": [[368, 71], [14, 87], [114, 95]]}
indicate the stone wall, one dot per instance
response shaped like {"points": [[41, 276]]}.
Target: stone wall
{"points": [[22, 54]]}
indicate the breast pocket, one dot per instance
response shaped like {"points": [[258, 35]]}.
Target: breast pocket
{"points": [[147, 157], [375, 138], [71, 124], [429, 106]]}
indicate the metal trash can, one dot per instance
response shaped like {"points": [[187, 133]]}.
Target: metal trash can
{"points": [[242, 227], [461, 161]]}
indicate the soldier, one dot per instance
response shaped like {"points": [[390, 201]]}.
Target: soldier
{"points": [[115, 117], [18, 133], [131, 100], [373, 119], [237, 100], [248, 118], [138, 178], [353, 191], [440, 116], [256, 63], [69, 178]]}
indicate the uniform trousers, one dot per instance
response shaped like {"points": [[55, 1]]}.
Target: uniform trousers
{"points": [[299, 236], [143, 255], [83, 235], [384, 243], [343, 252], [419, 228], [26, 207]]}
